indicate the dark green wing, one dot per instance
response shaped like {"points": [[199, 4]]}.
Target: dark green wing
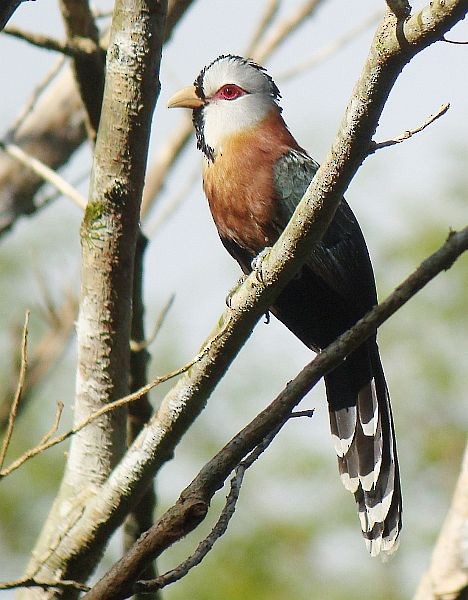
{"points": [[341, 259]]}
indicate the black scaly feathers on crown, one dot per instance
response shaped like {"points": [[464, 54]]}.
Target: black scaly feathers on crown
{"points": [[197, 115]]}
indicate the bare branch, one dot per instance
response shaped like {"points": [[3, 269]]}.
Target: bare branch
{"points": [[46, 173], [219, 528], [75, 47], [330, 49], [447, 576], [269, 13], [192, 505], [19, 392], [31, 582], [35, 95], [400, 8], [444, 39], [140, 517], [45, 353], [111, 406], [164, 162], [409, 133], [55, 424], [283, 29], [164, 215], [88, 68], [176, 9], [136, 346]]}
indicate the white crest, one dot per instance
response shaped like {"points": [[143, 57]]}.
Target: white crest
{"points": [[221, 117]]}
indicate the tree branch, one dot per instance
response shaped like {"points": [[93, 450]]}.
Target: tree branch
{"points": [[18, 393], [447, 577], [104, 509], [45, 173], [52, 132], [410, 132], [7, 8], [43, 356], [109, 233], [226, 515], [77, 46], [281, 31], [192, 505], [88, 68], [139, 412]]}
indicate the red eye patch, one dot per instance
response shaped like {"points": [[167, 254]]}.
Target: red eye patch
{"points": [[230, 91]]}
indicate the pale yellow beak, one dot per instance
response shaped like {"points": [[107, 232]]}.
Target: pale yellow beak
{"points": [[185, 98]]}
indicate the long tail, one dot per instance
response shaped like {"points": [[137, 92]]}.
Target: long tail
{"points": [[362, 429]]}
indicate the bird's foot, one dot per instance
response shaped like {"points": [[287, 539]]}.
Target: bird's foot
{"points": [[257, 263], [234, 289]]}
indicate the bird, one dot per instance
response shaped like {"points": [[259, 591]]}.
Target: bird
{"points": [[254, 175]]}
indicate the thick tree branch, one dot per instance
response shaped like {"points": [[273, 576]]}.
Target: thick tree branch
{"points": [[192, 505], [87, 67], [109, 233], [140, 518]]}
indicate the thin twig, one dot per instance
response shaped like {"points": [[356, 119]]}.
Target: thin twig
{"points": [[19, 391], [35, 95], [163, 163], [407, 134], [31, 582], [108, 408], [329, 49], [170, 208], [269, 13], [75, 47], [219, 528], [46, 352], [55, 424], [283, 29], [138, 346], [47, 174]]}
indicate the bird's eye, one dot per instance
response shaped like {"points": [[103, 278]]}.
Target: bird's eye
{"points": [[230, 91]]}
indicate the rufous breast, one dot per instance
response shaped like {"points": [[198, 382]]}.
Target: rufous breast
{"points": [[239, 182]]}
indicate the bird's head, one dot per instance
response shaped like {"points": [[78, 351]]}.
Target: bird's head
{"points": [[230, 95]]}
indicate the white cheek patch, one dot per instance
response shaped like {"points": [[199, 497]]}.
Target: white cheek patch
{"points": [[224, 118]]}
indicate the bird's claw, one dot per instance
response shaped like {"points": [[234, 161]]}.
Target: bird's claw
{"points": [[234, 289], [257, 263]]}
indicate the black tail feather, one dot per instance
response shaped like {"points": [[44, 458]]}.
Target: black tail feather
{"points": [[363, 432]]}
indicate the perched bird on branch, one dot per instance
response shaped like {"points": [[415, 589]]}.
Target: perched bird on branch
{"points": [[254, 175]]}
